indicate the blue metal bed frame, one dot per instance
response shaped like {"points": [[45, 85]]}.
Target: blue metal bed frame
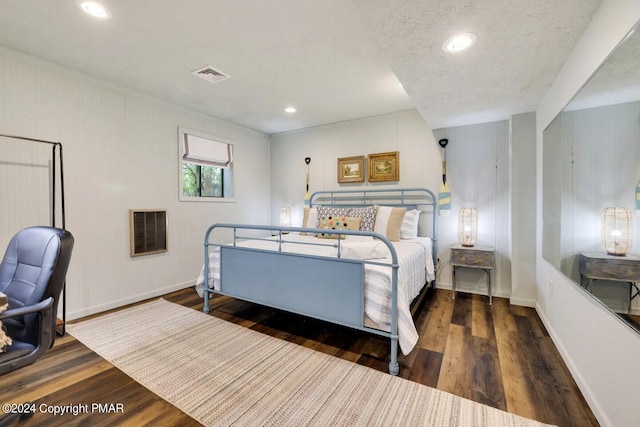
{"points": [[325, 288]]}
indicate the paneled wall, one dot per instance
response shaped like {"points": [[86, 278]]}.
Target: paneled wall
{"points": [[120, 153], [478, 176], [523, 209], [478, 172], [603, 149], [405, 132]]}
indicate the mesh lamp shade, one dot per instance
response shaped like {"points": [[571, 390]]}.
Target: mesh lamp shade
{"points": [[285, 216], [468, 226], [617, 231]]}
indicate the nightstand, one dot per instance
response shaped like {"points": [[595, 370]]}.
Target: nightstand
{"points": [[482, 257], [600, 266]]}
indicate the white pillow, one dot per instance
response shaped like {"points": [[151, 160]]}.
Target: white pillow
{"points": [[310, 219], [388, 222], [409, 227]]}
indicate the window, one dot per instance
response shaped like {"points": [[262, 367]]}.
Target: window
{"points": [[202, 181], [205, 167]]}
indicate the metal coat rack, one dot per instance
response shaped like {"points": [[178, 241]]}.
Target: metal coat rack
{"points": [[56, 148]]}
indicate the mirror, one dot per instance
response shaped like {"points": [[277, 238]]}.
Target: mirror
{"points": [[591, 160]]}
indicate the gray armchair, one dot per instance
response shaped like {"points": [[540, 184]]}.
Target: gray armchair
{"points": [[32, 275]]}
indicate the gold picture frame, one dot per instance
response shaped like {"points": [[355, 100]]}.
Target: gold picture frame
{"points": [[351, 169], [384, 166]]}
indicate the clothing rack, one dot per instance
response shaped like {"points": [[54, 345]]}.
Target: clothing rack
{"points": [[56, 147]]}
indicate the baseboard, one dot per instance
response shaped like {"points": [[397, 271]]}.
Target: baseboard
{"points": [[575, 373], [523, 302], [71, 315], [448, 287]]}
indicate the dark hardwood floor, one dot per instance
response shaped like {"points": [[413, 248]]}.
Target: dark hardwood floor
{"points": [[499, 355], [632, 320]]}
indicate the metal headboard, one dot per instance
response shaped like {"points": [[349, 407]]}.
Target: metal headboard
{"points": [[410, 198]]}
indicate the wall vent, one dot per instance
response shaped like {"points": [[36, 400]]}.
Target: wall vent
{"points": [[210, 74], [148, 231]]}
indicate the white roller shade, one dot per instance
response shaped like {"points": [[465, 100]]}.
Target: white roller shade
{"points": [[206, 152]]}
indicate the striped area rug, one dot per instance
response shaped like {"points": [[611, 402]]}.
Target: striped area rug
{"points": [[222, 374]]}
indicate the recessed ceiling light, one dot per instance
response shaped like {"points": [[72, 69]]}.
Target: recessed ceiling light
{"points": [[94, 8], [290, 109], [459, 42]]}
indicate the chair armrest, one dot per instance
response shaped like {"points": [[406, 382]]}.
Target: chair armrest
{"points": [[36, 308], [44, 339]]}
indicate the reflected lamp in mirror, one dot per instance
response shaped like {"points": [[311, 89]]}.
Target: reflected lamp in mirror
{"points": [[285, 216], [468, 226], [617, 231]]}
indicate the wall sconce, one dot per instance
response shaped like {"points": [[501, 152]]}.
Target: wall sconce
{"points": [[617, 231], [468, 226], [285, 216]]}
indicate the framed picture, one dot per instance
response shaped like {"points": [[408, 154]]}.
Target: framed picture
{"points": [[351, 169], [384, 166]]}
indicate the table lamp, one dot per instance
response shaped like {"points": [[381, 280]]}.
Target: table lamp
{"points": [[617, 231], [468, 226], [285, 216]]}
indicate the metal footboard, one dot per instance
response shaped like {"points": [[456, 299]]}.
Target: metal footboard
{"points": [[329, 288]]}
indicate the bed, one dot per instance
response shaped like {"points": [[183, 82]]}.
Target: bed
{"points": [[364, 275]]}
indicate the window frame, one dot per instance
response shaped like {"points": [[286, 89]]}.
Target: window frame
{"points": [[227, 177]]}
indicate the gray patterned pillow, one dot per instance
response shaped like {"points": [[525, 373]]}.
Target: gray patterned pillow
{"points": [[368, 215], [328, 212]]}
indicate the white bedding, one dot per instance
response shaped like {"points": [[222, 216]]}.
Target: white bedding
{"points": [[415, 266]]}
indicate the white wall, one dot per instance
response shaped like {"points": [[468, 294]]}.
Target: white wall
{"points": [[120, 153], [477, 158], [405, 132], [523, 209], [478, 176], [600, 352], [604, 166]]}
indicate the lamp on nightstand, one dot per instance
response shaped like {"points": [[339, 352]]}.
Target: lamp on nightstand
{"points": [[617, 231], [285, 216], [468, 226]]}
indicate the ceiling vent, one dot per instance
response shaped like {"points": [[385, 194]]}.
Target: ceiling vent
{"points": [[210, 74]]}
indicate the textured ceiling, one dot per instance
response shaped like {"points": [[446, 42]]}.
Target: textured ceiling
{"points": [[618, 79], [521, 47], [335, 60]]}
